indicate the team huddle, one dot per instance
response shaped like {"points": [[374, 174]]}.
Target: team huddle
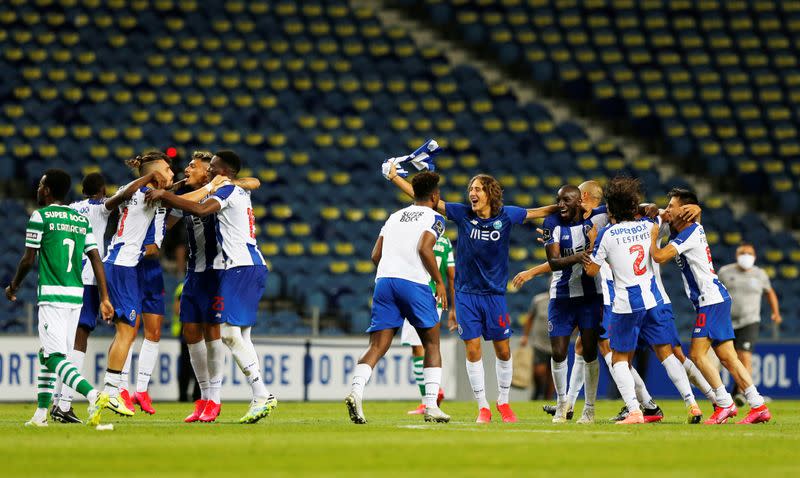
{"points": [[604, 260]]}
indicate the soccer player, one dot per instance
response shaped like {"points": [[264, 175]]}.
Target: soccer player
{"points": [[406, 264], [713, 328], [122, 258], [443, 251], [97, 208], [624, 246], [242, 282], [60, 236], [484, 229]]}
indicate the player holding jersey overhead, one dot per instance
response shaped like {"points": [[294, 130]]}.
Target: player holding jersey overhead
{"points": [[443, 251], [636, 297], [122, 258], [713, 328], [243, 281], [406, 263], [60, 237], [484, 229]]}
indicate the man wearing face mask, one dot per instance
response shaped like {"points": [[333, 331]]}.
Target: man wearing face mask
{"points": [[746, 283]]}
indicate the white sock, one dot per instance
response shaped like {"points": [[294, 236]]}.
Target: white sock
{"points": [[592, 377], [433, 379], [244, 353], [148, 356], [607, 358], [698, 380], [361, 376], [624, 379], [216, 368], [40, 415], [679, 378], [559, 371], [477, 381], [724, 399], [76, 357], [113, 382], [504, 370], [753, 397], [125, 382], [198, 356], [642, 395], [576, 379]]}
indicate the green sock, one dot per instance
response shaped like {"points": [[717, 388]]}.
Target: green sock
{"points": [[420, 379], [45, 384], [68, 374]]}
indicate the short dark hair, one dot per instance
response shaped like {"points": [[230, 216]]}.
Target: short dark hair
{"points": [[623, 195], [424, 184], [58, 182], [684, 195], [230, 159], [93, 183], [148, 157]]}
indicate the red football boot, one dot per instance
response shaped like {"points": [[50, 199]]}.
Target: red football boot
{"points": [[757, 415], [127, 399], [144, 401], [420, 410], [440, 397], [507, 414], [484, 416], [721, 415], [211, 412], [199, 406]]}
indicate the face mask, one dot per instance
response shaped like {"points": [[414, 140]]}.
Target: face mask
{"points": [[746, 261]]}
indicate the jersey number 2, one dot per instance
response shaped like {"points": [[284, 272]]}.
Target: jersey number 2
{"points": [[252, 219], [71, 247], [637, 263]]}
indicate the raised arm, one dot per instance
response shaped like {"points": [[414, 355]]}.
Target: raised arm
{"points": [[425, 250], [540, 212], [169, 199], [120, 197], [405, 186], [249, 184], [24, 266], [658, 254]]}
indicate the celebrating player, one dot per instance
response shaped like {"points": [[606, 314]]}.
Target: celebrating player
{"points": [[60, 236], [636, 297], [713, 328], [443, 251], [243, 280], [484, 229], [406, 263], [122, 258]]}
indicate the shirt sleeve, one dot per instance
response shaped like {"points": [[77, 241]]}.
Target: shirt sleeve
{"points": [[766, 284], [34, 231], [599, 253], [90, 242], [437, 228], [550, 231], [455, 211], [176, 213], [599, 216], [516, 214], [223, 195], [686, 239]]}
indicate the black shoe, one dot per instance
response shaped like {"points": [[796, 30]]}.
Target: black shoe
{"points": [[551, 410], [65, 417], [655, 414], [53, 411], [622, 415]]}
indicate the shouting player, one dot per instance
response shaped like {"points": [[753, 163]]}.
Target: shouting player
{"points": [[60, 236], [484, 231], [713, 328], [244, 277], [443, 251]]}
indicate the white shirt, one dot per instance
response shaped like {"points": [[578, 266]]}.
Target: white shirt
{"points": [[694, 259], [95, 210], [401, 235], [663, 232], [127, 244], [626, 249], [236, 228]]}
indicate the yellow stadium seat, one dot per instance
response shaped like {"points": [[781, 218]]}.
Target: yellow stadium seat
{"points": [[344, 249], [339, 267], [377, 214], [330, 213], [364, 267], [269, 248], [281, 211], [319, 249], [275, 230]]}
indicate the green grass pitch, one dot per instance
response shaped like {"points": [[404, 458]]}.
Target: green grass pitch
{"points": [[311, 439]]}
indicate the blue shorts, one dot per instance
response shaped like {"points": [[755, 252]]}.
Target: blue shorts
{"points": [[482, 315], [654, 327], [151, 278], [124, 292], [563, 315], [200, 290], [395, 299], [714, 322], [240, 291], [606, 323], [667, 310], [91, 307]]}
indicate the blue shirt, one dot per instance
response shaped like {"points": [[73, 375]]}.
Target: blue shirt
{"points": [[572, 238], [482, 248]]}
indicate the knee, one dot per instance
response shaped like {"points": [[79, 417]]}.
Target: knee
{"points": [[153, 335], [697, 357], [230, 336], [503, 355]]}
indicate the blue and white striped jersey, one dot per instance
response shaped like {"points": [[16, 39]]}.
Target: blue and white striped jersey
{"points": [[572, 239], [694, 259], [95, 210], [236, 228]]}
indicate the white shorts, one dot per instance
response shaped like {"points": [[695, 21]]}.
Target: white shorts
{"points": [[409, 335], [57, 327]]}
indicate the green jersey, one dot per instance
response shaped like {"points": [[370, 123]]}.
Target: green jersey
{"points": [[62, 236], [443, 251]]}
